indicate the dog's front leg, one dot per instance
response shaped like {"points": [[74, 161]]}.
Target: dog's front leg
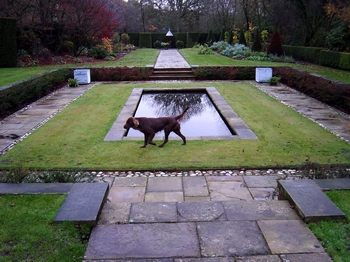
{"points": [[150, 139], [145, 141]]}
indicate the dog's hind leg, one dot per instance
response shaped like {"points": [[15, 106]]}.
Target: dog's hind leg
{"points": [[177, 131]]}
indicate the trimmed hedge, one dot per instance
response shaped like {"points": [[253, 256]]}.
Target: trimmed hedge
{"points": [[224, 73], [310, 54], [8, 42], [328, 91], [192, 39], [145, 40], [120, 73], [16, 96], [319, 56]]}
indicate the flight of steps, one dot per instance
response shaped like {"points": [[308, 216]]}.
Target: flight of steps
{"points": [[172, 74]]}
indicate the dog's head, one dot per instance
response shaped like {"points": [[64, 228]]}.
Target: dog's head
{"points": [[131, 122]]}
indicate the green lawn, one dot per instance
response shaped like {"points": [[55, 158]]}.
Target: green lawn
{"points": [[335, 234], [192, 57], [139, 57], [74, 138], [27, 232]]}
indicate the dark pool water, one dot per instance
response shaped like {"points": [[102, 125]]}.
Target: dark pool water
{"points": [[202, 119]]}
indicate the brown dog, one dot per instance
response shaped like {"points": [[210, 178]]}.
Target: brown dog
{"points": [[150, 126]]}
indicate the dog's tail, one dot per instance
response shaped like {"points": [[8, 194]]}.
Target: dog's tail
{"points": [[182, 114]]}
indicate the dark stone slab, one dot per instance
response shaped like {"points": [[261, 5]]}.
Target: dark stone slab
{"points": [[150, 212], [289, 236], [35, 188], [309, 200], [247, 210], [333, 184], [156, 240], [313, 257], [231, 238], [200, 211], [84, 203]]}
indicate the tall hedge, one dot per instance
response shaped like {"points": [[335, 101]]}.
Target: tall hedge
{"points": [[145, 40], [8, 44], [134, 38], [335, 59], [192, 39], [305, 53]]}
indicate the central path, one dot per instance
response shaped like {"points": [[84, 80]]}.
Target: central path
{"points": [[170, 59]]}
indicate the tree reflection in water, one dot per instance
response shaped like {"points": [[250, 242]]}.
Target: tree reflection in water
{"points": [[202, 119]]}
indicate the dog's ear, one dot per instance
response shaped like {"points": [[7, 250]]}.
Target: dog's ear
{"points": [[135, 121]]}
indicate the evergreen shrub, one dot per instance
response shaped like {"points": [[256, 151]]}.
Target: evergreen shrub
{"points": [[275, 46]]}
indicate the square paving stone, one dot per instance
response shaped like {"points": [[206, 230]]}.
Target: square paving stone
{"points": [[130, 181], [223, 178], [164, 197], [113, 213], [283, 210], [289, 236], [262, 193], [164, 184], [247, 210], [126, 194], [200, 211], [155, 240], [153, 212], [314, 257], [195, 186], [261, 181], [220, 191], [231, 238]]}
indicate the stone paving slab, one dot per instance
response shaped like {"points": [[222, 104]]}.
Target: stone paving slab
{"points": [[157, 240], [35, 188], [231, 238], [164, 196], [261, 181], [153, 212], [114, 213], [309, 200], [200, 211], [118, 194], [289, 236], [84, 203], [195, 186], [228, 190], [333, 184], [164, 184], [247, 210]]}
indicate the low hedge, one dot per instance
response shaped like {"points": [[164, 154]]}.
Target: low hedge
{"points": [[120, 73], [328, 91], [339, 60], [16, 96], [224, 73]]}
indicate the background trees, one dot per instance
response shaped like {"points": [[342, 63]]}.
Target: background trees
{"points": [[67, 25]]}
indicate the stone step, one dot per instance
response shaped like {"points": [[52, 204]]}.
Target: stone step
{"points": [[172, 74], [35, 188], [309, 200], [84, 203]]}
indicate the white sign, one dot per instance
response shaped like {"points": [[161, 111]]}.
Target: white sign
{"points": [[263, 74], [82, 75]]}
